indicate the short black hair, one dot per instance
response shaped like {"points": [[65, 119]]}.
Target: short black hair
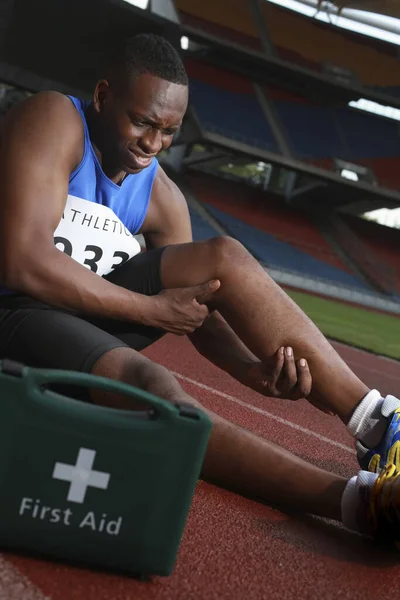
{"points": [[147, 53]]}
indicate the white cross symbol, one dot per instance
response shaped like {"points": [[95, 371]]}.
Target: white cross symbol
{"points": [[81, 475]]}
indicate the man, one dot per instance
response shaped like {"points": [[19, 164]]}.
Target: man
{"points": [[77, 180]]}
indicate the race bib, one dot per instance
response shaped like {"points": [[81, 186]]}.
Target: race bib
{"points": [[94, 236]]}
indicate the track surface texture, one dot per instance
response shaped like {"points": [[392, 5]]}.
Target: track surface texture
{"points": [[235, 548]]}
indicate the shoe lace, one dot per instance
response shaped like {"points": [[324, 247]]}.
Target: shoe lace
{"points": [[385, 504]]}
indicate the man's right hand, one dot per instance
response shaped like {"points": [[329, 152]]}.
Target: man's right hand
{"points": [[180, 310]]}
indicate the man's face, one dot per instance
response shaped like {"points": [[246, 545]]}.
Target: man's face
{"points": [[137, 124]]}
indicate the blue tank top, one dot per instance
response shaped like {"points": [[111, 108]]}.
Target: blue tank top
{"points": [[100, 218]]}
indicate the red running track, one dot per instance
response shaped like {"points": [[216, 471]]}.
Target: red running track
{"points": [[234, 548]]}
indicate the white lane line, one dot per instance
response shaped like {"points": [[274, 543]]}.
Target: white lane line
{"points": [[15, 586], [255, 409]]}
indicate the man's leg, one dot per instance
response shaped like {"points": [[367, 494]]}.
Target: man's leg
{"points": [[240, 461], [236, 459], [263, 315]]}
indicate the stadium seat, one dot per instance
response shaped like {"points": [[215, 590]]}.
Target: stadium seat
{"points": [[275, 253], [383, 241], [233, 115], [317, 132], [312, 130], [367, 136], [268, 213], [201, 229]]}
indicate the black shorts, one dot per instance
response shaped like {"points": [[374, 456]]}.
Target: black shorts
{"points": [[39, 335]]}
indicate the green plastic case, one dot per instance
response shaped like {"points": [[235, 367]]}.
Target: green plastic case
{"points": [[94, 485]]}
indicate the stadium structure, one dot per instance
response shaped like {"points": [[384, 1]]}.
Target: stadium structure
{"points": [[276, 149]]}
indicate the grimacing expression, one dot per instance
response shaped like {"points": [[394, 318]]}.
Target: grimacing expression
{"points": [[140, 122]]}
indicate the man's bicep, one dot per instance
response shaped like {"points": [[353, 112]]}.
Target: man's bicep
{"points": [[34, 171], [176, 229], [168, 219]]}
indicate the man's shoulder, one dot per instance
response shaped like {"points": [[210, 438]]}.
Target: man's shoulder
{"points": [[50, 96], [40, 123], [47, 107]]}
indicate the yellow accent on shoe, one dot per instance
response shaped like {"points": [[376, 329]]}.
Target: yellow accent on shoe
{"points": [[373, 465], [393, 457], [384, 505], [394, 453]]}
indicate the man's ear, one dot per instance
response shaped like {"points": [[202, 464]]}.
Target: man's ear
{"points": [[101, 94]]}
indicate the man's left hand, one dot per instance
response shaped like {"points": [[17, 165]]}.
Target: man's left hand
{"points": [[284, 377]]}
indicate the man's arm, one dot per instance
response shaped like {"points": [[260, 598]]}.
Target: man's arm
{"points": [[42, 142], [167, 221]]}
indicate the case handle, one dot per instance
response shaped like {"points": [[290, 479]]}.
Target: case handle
{"points": [[45, 377]]}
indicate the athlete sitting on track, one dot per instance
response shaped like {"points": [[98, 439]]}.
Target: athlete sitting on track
{"points": [[77, 180]]}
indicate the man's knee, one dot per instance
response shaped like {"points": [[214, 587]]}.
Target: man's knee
{"points": [[131, 367], [120, 364], [225, 250], [128, 366]]}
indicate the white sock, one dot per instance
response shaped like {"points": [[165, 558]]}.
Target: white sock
{"points": [[355, 500], [367, 423]]}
